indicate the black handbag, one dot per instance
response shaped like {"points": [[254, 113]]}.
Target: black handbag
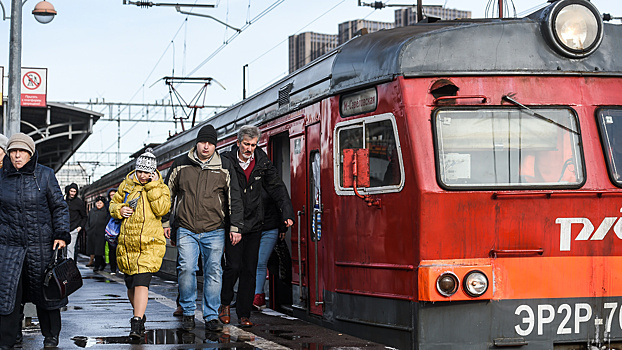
{"points": [[62, 277], [285, 260]]}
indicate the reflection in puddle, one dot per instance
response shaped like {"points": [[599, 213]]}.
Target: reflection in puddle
{"points": [[164, 336], [70, 307], [97, 279], [285, 334]]}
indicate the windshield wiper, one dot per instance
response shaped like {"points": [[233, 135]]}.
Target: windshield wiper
{"points": [[533, 113]]}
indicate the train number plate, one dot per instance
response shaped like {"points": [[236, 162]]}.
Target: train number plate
{"points": [[567, 318]]}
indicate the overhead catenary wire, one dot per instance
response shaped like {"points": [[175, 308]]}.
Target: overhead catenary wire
{"points": [[236, 34]]}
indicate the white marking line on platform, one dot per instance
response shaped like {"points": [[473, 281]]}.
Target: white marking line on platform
{"points": [[271, 312], [256, 341]]}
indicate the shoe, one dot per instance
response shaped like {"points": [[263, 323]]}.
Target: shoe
{"points": [[213, 326], [136, 324], [178, 312], [50, 342], [223, 314], [245, 322], [260, 301], [187, 323], [142, 325]]}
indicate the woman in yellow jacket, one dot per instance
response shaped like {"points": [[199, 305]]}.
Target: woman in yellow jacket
{"points": [[141, 243]]}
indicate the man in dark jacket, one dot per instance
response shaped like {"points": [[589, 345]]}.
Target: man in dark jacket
{"points": [[204, 192], [255, 173], [77, 216]]}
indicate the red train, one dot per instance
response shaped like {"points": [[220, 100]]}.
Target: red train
{"points": [[456, 182]]}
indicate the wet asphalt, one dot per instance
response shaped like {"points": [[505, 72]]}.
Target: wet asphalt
{"points": [[98, 317]]}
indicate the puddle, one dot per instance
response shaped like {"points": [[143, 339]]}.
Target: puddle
{"points": [[286, 334], [97, 279], [67, 308], [315, 346], [165, 336]]}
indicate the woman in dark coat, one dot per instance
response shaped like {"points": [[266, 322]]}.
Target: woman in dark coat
{"points": [[95, 231], [33, 220]]}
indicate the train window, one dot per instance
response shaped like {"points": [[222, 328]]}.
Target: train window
{"points": [[507, 148], [610, 125], [379, 135]]}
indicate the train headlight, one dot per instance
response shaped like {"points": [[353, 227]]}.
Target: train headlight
{"points": [[573, 27], [447, 284], [475, 283]]}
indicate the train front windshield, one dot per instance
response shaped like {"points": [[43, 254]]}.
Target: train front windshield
{"points": [[508, 148]]}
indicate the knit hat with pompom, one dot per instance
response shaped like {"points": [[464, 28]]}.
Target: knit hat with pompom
{"points": [[147, 162]]}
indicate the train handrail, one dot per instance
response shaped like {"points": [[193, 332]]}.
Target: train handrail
{"points": [[494, 253], [549, 194], [300, 213], [446, 98]]}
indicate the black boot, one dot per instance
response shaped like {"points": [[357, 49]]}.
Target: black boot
{"points": [[136, 324], [142, 324]]}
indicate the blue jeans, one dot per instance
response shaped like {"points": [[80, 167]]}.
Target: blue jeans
{"points": [[211, 247], [266, 245]]}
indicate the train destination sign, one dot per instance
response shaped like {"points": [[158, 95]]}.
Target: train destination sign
{"points": [[34, 87], [360, 102]]}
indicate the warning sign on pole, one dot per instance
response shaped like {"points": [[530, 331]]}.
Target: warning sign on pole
{"points": [[34, 87]]}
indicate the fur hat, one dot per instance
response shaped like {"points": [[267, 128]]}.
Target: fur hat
{"points": [[147, 162], [207, 134], [21, 141]]}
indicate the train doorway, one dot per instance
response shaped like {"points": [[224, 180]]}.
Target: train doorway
{"points": [[279, 265]]}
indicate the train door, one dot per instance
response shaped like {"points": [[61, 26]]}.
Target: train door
{"points": [[314, 220], [299, 230], [307, 241]]}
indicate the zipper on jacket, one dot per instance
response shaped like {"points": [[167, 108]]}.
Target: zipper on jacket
{"points": [[36, 182]]}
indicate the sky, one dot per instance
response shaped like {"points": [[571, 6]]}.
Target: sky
{"points": [[103, 49]]}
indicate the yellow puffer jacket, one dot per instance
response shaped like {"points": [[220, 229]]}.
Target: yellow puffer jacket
{"points": [[141, 240]]}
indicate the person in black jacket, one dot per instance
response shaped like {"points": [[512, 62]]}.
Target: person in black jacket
{"points": [[255, 173], [77, 217], [34, 219], [112, 249], [95, 233], [274, 227]]}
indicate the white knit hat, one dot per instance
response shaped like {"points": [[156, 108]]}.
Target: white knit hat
{"points": [[147, 161]]}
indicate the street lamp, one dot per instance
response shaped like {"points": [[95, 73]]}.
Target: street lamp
{"points": [[44, 13]]}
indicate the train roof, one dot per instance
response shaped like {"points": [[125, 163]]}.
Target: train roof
{"points": [[444, 48]]}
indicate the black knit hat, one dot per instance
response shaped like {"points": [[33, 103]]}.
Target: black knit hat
{"points": [[207, 134]]}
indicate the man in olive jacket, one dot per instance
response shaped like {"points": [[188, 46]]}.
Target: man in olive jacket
{"points": [[204, 191]]}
